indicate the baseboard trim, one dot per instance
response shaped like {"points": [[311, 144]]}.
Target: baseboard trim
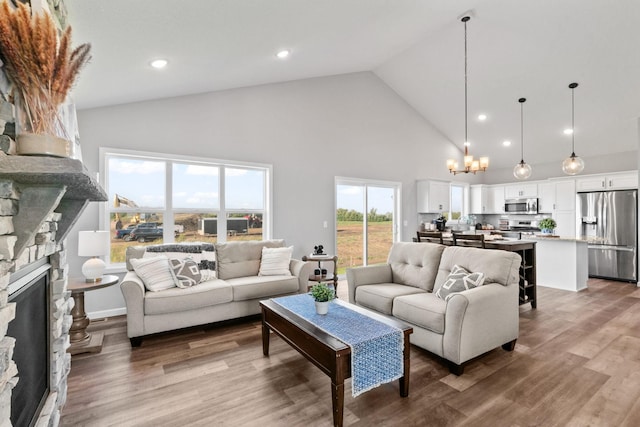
{"points": [[107, 313]]}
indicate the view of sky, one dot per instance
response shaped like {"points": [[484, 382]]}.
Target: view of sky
{"points": [[351, 197], [194, 186]]}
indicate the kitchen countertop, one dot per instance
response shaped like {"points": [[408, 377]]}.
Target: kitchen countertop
{"points": [[562, 239]]}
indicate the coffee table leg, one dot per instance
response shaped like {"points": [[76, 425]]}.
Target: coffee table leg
{"points": [[337, 396], [404, 380], [265, 336]]}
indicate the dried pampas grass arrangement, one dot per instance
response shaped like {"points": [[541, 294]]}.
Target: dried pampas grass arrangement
{"points": [[41, 66]]}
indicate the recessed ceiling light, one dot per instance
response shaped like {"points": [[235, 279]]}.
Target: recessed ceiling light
{"points": [[568, 131], [506, 143], [159, 63], [283, 53], [482, 117]]}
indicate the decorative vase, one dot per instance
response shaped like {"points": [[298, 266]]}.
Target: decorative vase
{"points": [[322, 307], [51, 134]]}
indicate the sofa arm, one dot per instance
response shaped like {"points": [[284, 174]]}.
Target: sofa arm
{"points": [[479, 320], [369, 275], [133, 291], [302, 270]]}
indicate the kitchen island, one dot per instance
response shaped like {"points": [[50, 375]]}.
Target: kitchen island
{"points": [[563, 262]]}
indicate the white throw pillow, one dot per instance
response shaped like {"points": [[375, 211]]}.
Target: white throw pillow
{"points": [[459, 280], [156, 273], [275, 261]]}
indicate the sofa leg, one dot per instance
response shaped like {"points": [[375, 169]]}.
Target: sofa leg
{"points": [[510, 346], [136, 341], [456, 369]]}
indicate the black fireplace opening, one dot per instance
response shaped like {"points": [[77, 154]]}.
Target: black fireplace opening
{"points": [[30, 328]]}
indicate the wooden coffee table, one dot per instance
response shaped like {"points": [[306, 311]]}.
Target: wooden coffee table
{"points": [[332, 356]]}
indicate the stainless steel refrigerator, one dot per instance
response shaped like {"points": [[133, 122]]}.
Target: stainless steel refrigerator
{"points": [[609, 221]]}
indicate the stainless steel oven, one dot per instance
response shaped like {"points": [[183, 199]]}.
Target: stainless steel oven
{"points": [[521, 206]]}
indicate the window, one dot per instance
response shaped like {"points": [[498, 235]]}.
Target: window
{"points": [[156, 198], [458, 205]]}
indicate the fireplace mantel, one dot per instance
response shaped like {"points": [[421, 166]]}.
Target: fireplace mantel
{"points": [[47, 185]]}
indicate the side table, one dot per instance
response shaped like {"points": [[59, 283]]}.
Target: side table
{"points": [[81, 340], [325, 277]]}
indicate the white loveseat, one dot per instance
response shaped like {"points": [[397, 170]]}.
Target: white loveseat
{"points": [[466, 325], [234, 292]]}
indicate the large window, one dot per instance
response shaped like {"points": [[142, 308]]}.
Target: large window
{"points": [[156, 198]]}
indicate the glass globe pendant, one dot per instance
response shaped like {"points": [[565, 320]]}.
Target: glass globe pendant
{"points": [[522, 170], [572, 165]]}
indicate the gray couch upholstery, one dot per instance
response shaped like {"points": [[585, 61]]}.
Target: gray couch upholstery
{"points": [[234, 292], [470, 323]]}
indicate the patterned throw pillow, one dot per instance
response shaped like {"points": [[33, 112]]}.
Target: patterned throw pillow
{"points": [[186, 271], [156, 273], [459, 280], [275, 261]]}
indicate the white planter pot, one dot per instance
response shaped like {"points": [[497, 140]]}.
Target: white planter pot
{"points": [[322, 307]]}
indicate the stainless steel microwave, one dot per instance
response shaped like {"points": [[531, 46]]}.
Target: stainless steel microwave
{"points": [[521, 206]]}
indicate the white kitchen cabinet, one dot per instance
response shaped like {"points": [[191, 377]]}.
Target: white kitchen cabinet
{"points": [[617, 181], [496, 199], [432, 196], [479, 199], [546, 197], [520, 191], [564, 208]]}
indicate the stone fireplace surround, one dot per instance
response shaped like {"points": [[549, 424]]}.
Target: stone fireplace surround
{"points": [[40, 200]]}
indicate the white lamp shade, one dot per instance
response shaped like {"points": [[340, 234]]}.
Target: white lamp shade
{"points": [[93, 243]]}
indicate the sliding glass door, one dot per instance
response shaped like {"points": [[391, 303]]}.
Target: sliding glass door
{"points": [[366, 221]]}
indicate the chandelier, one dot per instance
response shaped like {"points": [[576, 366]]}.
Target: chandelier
{"points": [[470, 164]]}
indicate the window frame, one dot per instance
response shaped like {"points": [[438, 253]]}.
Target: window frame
{"points": [[168, 211], [465, 204]]}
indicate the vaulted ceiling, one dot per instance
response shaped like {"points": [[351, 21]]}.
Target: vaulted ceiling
{"points": [[516, 48]]}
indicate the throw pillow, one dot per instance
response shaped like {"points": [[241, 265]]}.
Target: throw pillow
{"points": [[459, 280], [275, 261], [186, 271], [156, 273]]}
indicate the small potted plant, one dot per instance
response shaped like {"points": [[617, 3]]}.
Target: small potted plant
{"points": [[322, 294], [547, 225]]}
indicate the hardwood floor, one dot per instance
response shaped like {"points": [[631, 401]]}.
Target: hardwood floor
{"points": [[576, 363]]}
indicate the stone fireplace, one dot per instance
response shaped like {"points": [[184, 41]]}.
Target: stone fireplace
{"points": [[40, 200]]}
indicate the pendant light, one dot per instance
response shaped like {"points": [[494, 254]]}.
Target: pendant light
{"points": [[522, 170], [470, 164], [573, 164]]}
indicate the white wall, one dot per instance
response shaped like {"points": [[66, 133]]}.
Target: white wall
{"points": [[309, 130]]}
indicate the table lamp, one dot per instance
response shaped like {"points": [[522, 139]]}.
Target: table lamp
{"points": [[93, 244]]}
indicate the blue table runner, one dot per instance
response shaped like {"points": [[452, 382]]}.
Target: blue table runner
{"points": [[376, 348]]}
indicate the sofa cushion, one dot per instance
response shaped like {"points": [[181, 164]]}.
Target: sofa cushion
{"points": [[186, 272], [175, 300], [424, 310], [275, 261], [459, 280], [156, 273], [241, 259], [252, 287], [498, 266], [380, 297], [415, 264]]}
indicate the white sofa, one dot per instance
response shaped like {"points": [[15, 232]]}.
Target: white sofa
{"points": [[470, 323], [234, 293]]}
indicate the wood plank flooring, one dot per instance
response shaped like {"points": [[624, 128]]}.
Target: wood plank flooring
{"points": [[576, 363]]}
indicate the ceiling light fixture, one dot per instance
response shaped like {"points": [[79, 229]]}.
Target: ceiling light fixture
{"points": [[283, 54], [470, 164], [573, 164], [159, 63], [567, 131], [482, 117], [522, 170], [506, 143]]}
